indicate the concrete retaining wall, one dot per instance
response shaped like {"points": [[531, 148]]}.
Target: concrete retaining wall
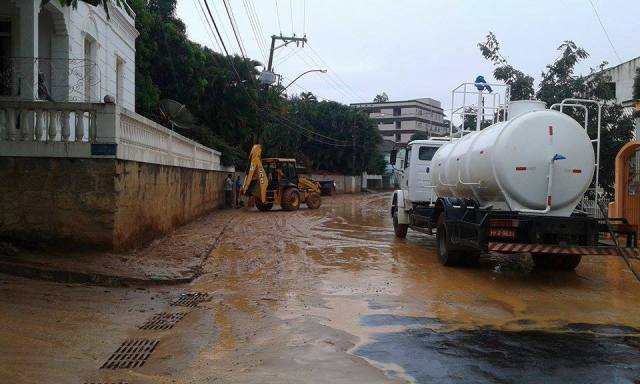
{"points": [[99, 203], [344, 183]]}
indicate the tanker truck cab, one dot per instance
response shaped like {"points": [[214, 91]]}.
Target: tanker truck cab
{"points": [[412, 203]]}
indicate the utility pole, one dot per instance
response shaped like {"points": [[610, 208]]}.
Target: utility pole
{"points": [[353, 147], [268, 77]]}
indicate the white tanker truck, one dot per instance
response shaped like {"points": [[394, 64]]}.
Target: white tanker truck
{"points": [[512, 187]]}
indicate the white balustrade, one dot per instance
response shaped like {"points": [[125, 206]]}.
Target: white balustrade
{"points": [[47, 121], [134, 137]]}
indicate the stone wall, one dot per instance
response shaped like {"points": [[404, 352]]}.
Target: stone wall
{"points": [[344, 183], [99, 203]]}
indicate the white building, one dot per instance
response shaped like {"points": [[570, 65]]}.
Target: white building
{"points": [[622, 77], [398, 120], [57, 65], [77, 54]]}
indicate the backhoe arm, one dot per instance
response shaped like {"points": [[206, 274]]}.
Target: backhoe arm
{"points": [[256, 172]]}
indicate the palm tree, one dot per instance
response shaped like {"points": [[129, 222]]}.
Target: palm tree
{"points": [[308, 97]]}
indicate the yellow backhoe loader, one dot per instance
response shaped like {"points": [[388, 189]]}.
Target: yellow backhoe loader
{"points": [[275, 181]]}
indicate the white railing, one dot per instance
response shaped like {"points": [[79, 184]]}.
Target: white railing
{"points": [[46, 121], [50, 129]]}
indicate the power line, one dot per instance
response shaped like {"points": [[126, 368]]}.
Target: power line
{"points": [[291, 14], [604, 30], [254, 22], [336, 74], [206, 23], [232, 18], [284, 121], [278, 14]]}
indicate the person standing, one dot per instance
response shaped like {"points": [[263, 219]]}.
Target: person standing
{"points": [[228, 191], [238, 187]]}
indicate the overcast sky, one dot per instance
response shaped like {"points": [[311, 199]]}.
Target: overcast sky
{"points": [[413, 49]]}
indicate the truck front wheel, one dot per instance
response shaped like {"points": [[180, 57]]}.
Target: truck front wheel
{"points": [[399, 229]]}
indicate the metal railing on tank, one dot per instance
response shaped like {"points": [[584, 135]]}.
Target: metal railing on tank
{"points": [[477, 105]]}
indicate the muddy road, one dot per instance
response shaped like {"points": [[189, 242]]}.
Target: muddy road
{"points": [[330, 296]]}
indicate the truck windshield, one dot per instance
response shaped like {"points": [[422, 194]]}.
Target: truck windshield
{"points": [[426, 153]]}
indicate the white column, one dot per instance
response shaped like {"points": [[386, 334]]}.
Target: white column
{"points": [[28, 47]]}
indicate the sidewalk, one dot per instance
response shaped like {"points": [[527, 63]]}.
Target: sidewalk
{"points": [[172, 259]]}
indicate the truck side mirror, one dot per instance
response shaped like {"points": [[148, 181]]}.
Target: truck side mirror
{"points": [[392, 157]]}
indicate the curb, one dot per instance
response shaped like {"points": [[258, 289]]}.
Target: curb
{"points": [[73, 277]]}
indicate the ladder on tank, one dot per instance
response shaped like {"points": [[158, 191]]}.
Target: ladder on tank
{"points": [[487, 102]]}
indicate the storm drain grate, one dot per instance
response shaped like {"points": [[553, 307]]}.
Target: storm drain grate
{"points": [[131, 354], [163, 320], [191, 299], [106, 382]]}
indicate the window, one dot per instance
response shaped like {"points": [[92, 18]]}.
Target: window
{"points": [[426, 153], [5, 54], [398, 124], [397, 111], [397, 137], [407, 158]]}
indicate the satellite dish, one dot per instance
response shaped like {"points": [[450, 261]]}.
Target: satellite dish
{"points": [[176, 114]]}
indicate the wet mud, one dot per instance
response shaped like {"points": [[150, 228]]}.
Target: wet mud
{"points": [[331, 296]]}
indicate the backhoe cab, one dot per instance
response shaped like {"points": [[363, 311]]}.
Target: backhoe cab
{"points": [[275, 181]]}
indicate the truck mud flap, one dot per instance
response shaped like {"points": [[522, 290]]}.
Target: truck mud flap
{"points": [[566, 250]]}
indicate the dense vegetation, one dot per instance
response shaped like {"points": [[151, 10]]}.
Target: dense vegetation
{"points": [[559, 82], [224, 94]]}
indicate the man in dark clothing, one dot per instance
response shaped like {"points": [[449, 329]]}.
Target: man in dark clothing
{"points": [[228, 191], [238, 187]]}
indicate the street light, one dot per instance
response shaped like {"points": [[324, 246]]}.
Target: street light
{"points": [[302, 74]]}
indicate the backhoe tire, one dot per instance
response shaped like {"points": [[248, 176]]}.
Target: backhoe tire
{"points": [[560, 262], [314, 200], [400, 230], [447, 256], [264, 206], [291, 199]]}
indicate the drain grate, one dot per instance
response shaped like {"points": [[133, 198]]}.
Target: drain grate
{"points": [[163, 320], [191, 299], [106, 382], [131, 354]]}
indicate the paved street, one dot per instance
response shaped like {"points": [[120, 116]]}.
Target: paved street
{"points": [[330, 296]]}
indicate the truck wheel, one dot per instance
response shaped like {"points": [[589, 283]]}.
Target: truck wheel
{"points": [[264, 206], [291, 199], [313, 201], [399, 229], [446, 255], [552, 261]]}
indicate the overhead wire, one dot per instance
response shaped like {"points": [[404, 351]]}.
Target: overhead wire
{"points": [[291, 14], [334, 73], [278, 15], [234, 27], [255, 31], [595, 10], [329, 79], [310, 134], [206, 23]]}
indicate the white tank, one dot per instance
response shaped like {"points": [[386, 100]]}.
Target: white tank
{"points": [[507, 165]]}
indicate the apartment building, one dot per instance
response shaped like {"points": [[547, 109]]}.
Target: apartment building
{"points": [[399, 120]]}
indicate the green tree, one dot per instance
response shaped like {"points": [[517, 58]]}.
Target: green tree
{"points": [[521, 84], [381, 98]]}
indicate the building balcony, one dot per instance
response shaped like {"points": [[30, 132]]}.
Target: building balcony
{"points": [[36, 128]]}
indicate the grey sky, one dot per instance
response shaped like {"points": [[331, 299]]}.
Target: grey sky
{"points": [[412, 49]]}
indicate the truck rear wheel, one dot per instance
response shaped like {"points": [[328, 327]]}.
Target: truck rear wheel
{"points": [[291, 199], [553, 261], [400, 230], [447, 256], [313, 200]]}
